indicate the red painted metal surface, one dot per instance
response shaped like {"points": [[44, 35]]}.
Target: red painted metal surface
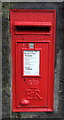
{"points": [[33, 46]]}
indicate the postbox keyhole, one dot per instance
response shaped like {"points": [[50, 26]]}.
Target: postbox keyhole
{"points": [[24, 80]]}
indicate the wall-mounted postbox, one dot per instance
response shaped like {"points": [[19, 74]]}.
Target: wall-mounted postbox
{"points": [[33, 42]]}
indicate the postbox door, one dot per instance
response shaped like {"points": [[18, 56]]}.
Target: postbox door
{"points": [[32, 70]]}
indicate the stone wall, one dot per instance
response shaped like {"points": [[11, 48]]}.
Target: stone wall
{"points": [[62, 59], [6, 60]]}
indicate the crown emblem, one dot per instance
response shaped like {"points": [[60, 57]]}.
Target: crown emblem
{"points": [[33, 83]]}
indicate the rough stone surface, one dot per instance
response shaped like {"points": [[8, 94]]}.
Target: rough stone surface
{"points": [[0, 60], [6, 59], [32, 0], [62, 75]]}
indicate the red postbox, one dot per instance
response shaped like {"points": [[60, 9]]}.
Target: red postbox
{"points": [[33, 43]]}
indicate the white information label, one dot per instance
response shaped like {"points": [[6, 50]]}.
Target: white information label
{"points": [[31, 62]]}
